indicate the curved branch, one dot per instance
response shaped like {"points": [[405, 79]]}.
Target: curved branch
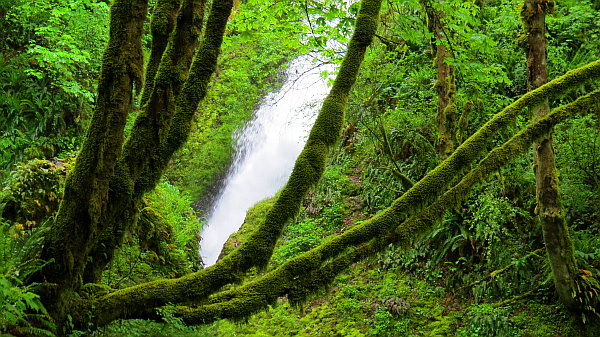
{"points": [[161, 26], [307, 171], [297, 282]]}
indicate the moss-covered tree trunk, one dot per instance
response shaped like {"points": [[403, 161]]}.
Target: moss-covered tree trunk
{"points": [[111, 174], [445, 85], [549, 207], [166, 72], [83, 208]]}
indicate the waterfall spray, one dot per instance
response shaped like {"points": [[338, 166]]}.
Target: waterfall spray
{"points": [[266, 149]]}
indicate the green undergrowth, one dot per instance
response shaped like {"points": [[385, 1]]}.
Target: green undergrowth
{"points": [[50, 56], [370, 300], [164, 243]]}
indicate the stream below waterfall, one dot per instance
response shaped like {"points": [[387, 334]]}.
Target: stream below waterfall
{"points": [[266, 149]]}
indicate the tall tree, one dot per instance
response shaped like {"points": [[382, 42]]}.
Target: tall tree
{"points": [[111, 174], [104, 190], [549, 206]]}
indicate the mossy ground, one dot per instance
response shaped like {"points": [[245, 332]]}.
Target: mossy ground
{"points": [[371, 301]]}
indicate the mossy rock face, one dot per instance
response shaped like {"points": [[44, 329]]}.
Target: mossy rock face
{"points": [[254, 217]]}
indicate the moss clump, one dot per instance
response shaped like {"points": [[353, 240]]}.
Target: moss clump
{"points": [[32, 193], [255, 215]]}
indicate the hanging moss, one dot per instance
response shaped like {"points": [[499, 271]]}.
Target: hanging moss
{"points": [[463, 122]]}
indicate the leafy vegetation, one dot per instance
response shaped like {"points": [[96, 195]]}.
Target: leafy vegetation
{"points": [[49, 63], [481, 271]]}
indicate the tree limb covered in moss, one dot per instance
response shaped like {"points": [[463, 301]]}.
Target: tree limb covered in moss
{"points": [[137, 162], [289, 280], [307, 171], [161, 26], [156, 121], [86, 194]]}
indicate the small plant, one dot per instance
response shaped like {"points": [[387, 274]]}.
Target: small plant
{"points": [[485, 320], [167, 313], [21, 311]]}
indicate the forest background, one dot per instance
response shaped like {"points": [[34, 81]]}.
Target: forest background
{"points": [[481, 272]]}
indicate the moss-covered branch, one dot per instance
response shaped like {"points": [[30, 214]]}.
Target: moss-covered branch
{"points": [[86, 191], [161, 26], [297, 282], [151, 126], [307, 172], [155, 122]]}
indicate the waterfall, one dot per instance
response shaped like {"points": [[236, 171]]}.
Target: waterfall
{"points": [[266, 149]]}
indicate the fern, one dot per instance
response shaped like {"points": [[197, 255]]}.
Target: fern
{"points": [[33, 332]]}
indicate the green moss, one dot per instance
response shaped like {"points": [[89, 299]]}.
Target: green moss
{"points": [[255, 216], [304, 275], [161, 25], [86, 192]]}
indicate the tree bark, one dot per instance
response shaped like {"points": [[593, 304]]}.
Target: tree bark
{"points": [[549, 206], [86, 194], [445, 85], [137, 163]]}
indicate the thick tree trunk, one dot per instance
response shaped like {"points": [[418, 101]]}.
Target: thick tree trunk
{"points": [[549, 207], [85, 200], [103, 191], [137, 162], [80, 218]]}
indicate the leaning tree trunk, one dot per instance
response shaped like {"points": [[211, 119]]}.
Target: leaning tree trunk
{"points": [[549, 207], [86, 194]]}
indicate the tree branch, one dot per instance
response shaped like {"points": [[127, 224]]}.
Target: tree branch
{"points": [[299, 277]]}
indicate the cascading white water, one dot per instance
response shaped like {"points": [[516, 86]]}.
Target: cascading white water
{"points": [[265, 152]]}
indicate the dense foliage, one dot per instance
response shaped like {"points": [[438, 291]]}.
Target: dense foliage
{"points": [[482, 270], [49, 63]]}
